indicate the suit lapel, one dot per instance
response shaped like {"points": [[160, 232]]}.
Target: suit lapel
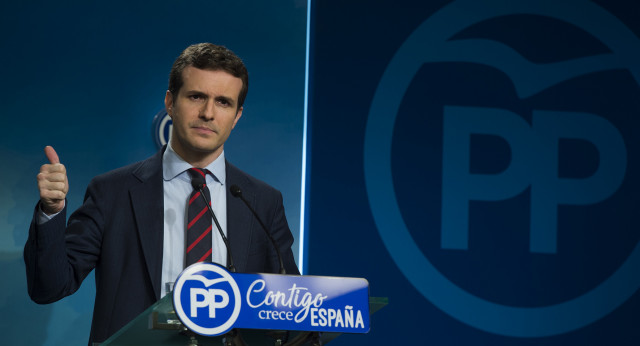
{"points": [[147, 200], [239, 218]]}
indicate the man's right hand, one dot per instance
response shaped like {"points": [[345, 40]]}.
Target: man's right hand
{"points": [[52, 183]]}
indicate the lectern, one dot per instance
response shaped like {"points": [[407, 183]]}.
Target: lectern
{"points": [[261, 297]]}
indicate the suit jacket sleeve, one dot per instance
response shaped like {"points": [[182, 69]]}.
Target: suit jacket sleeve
{"points": [[59, 258]]}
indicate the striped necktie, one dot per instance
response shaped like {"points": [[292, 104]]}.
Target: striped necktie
{"points": [[198, 220]]}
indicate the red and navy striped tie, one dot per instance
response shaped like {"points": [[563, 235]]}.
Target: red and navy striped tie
{"points": [[198, 221]]}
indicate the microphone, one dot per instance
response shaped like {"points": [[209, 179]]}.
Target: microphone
{"points": [[198, 183], [236, 192]]}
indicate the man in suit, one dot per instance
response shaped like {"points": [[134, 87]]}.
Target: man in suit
{"points": [[131, 226]]}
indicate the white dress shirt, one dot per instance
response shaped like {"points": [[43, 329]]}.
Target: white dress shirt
{"points": [[177, 189]]}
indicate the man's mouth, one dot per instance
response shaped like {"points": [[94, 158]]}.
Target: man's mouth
{"points": [[203, 129]]}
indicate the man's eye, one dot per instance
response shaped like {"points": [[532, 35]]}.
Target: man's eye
{"points": [[196, 97]]}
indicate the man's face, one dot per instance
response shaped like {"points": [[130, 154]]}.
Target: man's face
{"points": [[204, 112]]}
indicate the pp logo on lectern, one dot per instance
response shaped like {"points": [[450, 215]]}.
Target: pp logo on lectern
{"points": [[207, 299]]}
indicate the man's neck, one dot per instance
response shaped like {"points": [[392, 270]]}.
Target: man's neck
{"points": [[200, 161], [196, 159]]}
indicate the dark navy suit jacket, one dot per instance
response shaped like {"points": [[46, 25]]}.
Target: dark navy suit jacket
{"points": [[119, 231]]}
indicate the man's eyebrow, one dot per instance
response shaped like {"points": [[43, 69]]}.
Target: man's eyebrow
{"points": [[224, 98]]}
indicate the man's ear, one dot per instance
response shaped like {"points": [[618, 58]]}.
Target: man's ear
{"points": [[168, 103], [238, 115]]}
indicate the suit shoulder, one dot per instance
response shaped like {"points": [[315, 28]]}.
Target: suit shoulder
{"points": [[245, 180], [137, 171]]}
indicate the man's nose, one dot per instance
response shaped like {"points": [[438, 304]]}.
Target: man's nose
{"points": [[208, 110]]}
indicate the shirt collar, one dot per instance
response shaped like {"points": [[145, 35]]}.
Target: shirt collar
{"points": [[173, 166]]}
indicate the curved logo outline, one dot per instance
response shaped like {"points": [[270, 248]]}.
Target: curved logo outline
{"points": [[433, 285], [161, 128]]}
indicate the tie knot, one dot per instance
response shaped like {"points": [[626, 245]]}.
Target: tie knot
{"points": [[198, 177]]}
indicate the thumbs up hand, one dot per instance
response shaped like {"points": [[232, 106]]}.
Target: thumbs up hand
{"points": [[52, 183]]}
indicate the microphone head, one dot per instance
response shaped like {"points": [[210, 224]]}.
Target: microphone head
{"points": [[235, 191], [197, 181]]}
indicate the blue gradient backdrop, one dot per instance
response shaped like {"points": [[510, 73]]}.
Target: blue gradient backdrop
{"points": [[477, 162], [388, 81], [87, 77]]}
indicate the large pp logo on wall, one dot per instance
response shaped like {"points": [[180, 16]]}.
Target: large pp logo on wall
{"points": [[207, 299], [531, 170]]}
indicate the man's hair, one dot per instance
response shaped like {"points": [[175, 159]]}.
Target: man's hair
{"points": [[208, 56]]}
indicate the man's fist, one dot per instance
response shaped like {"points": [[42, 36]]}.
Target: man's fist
{"points": [[52, 183]]}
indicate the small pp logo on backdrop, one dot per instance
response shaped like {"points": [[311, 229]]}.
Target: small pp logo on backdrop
{"points": [[161, 128]]}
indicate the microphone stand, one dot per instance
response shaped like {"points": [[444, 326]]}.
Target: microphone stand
{"points": [[236, 192], [230, 265]]}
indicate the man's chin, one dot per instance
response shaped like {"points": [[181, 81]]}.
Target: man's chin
{"points": [[204, 149], [197, 148]]}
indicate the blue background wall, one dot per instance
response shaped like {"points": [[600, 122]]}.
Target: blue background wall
{"points": [[88, 77], [389, 167], [477, 162]]}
